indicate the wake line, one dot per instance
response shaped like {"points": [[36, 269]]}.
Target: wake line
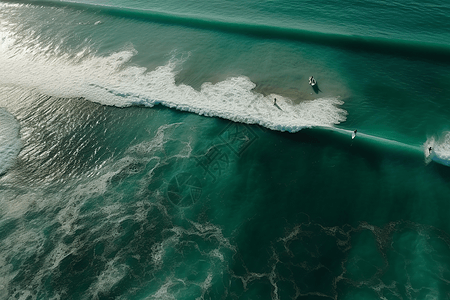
{"points": [[376, 139], [367, 138], [425, 51], [440, 153]]}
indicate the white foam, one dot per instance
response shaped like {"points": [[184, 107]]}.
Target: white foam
{"points": [[441, 148], [10, 143], [110, 276], [110, 81]]}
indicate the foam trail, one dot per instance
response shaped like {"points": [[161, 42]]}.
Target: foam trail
{"points": [[440, 147], [376, 139], [10, 143], [109, 81]]}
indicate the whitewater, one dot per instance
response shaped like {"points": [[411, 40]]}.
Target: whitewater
{"points": [[111, 81], [143, 155]]}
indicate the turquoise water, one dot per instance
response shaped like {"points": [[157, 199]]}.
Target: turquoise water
{"points": [[142, 157]]}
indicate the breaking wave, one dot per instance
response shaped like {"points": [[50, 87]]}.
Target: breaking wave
{"points": [[109, 80], [440, 146]]}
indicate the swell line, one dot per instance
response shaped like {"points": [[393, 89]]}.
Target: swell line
{"points": [[397, 47]]}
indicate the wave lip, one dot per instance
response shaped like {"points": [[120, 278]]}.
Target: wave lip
{"points": [[440, 149], [10, 142]]}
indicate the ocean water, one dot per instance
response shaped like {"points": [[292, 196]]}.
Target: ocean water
{"points": [[142, 156]]}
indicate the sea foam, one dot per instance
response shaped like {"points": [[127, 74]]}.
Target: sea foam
{"points": [[111, 80]]}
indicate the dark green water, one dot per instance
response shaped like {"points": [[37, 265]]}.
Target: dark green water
{"points": [[142, 156]]}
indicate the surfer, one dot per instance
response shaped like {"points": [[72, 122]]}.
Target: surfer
{"points": [[274, 101], [429, 150], [354, 134]]}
